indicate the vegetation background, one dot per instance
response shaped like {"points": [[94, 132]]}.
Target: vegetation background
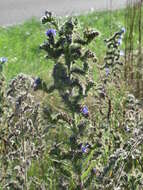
{"points": [[20, 44]]}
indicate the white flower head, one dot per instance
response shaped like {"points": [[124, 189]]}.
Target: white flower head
{"points": [[122, 53]]}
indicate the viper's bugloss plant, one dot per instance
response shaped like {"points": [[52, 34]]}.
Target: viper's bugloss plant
{"points": [[68, 48], [87, 141], [21, 135]]}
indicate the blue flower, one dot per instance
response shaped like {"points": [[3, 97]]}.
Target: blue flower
{"points": [[123, 30], [107, 71], [3, 59], [51, 32], [85, 110], [85, 148], [120, 41], [37, 82]]}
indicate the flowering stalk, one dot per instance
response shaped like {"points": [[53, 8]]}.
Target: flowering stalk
{"points": [[67, 47]]}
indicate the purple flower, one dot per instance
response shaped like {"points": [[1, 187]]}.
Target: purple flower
{"points": [[3, 59], [85, 148], [107, 71], [51, 32], [85, 110]]}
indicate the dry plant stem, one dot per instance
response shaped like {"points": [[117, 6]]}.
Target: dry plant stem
{"points": [[130, 22], [140, 164], [80, 183], [140, 26], [24, 154]]}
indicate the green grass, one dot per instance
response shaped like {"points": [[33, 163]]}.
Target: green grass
{"points": [[20, 43]]}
